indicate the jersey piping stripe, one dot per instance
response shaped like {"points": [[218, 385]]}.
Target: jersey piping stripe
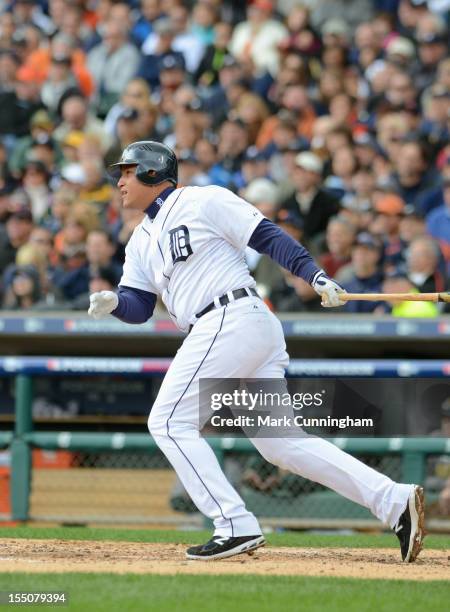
{"points": [[164, 262], [165, 275], [174, 202], [173, 411]]}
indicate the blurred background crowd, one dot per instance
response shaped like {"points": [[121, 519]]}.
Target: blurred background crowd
{"points": [[333, 118]]}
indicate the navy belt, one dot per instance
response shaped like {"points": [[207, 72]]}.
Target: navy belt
{"points": [[224, 300]]}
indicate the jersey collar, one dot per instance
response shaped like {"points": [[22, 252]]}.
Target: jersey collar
{"points": [[152, 210]]}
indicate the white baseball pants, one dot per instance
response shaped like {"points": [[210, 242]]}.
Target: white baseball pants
{"points": [[245, 340]]}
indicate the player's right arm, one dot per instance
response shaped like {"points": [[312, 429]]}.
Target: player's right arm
{"points": [[135, 301]]}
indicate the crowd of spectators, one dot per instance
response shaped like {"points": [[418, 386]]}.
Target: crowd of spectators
{"points": [[333, 118]]}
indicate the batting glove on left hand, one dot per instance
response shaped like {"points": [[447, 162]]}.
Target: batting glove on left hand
{"points": [[328, 289], [102, 304]]}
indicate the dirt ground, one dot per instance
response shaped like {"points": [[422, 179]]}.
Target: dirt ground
{"points": [[20, 555]]}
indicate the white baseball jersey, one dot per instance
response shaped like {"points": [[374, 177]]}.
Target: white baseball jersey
{"points": [[193, 250]]}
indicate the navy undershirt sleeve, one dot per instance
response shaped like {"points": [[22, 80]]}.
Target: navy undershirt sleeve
{"points": [[271, 240], [135, 305]]}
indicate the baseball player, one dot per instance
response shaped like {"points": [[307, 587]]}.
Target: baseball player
{"points": [[189, 249]]}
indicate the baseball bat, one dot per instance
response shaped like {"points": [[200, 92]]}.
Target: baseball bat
{"points": [[397, 297]]}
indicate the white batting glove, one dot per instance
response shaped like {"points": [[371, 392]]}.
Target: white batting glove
{"points": [[328, 289], [102, 304]]}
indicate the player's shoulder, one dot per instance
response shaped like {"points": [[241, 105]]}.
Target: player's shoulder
{"points": [[208, 193], [217, 189], [204, 191], [195, 191]]}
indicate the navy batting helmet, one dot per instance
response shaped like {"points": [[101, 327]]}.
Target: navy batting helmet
{"points": [[154, 162]]}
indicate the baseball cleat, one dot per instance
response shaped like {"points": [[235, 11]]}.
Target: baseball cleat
{"points": [[410, 527], [220, 547]]}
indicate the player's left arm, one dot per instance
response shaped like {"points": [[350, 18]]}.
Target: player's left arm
{"points": [[271, 240], [242, 224]]}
